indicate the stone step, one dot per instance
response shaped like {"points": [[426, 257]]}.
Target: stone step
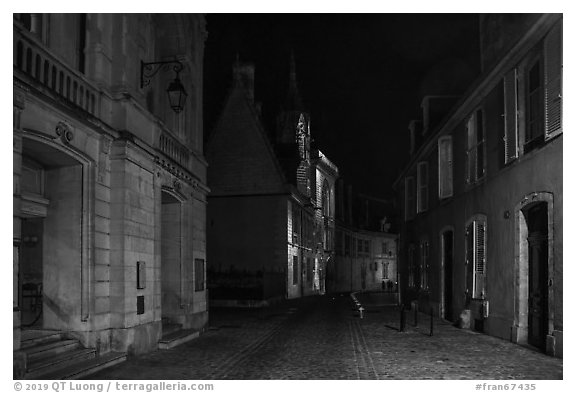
{"points": [[169, 328], [37, 368], [76, 370], [49, 349], [31, 338], [176, 338]]}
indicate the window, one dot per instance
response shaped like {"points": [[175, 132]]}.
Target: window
{"points": [[385, 271], [199, 268], [476, 257], [384, 248], [445, 181], [424, 263], [295, 270], [296, 224], [34, 23], [553, 80], [367, 246], [411, 272], [511, 116], [326, 199], [360, 246], [534, 106], [475, 163], [409, 198], [310, 270], [422, 174], [82, 43]]}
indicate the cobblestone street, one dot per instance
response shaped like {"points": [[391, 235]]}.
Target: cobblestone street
{"points": [[324, 338]]}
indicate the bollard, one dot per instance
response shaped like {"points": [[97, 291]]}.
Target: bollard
{"points": [[431, 322], [361, 309], [402, 318]]}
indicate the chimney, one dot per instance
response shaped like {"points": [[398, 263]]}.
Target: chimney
{"points": [[244, 74]]}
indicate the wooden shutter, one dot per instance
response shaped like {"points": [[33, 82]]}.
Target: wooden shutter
{"points": [[553, 80], [479, 258], [470, 151], [510, 116], [469, 257], [445, 167]]}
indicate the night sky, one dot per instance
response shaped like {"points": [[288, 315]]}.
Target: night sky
{"points": [[361, 77]]}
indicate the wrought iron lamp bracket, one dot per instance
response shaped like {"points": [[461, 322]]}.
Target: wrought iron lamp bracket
{"points": [[149, 70]]}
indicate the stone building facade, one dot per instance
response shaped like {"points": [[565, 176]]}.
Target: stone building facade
{"points": [[365, 246], [364, 261], [481, 237], [109, 182], [271, 207]]}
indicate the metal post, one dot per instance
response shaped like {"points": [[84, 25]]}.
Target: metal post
{"points": [[402, 318], [431, 321]]}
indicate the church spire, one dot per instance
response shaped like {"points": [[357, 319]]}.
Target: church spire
{"points": [[293, 100]]}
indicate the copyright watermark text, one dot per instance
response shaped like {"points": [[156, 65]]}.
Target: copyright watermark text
{"points": [[110, 386]]}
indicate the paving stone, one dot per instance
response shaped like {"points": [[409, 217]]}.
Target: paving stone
{"points": [[322, 338]]}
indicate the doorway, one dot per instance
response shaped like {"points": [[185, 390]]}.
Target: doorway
{"points": [[171, 255], [53, 250], [447, 263], [536, 216]]}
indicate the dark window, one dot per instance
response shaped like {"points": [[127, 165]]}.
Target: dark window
{"points": [[82, 44], [534, 108], [139, 305], [199, 268], [295, 270]]}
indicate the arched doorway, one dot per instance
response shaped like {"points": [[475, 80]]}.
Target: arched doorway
{"points": [[534, 291]]}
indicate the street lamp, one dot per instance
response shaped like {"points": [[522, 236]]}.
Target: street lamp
{"points": [[176, 92]]}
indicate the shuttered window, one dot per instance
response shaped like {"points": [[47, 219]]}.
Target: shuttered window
{"points": [[409, 204], [511, 116], [476, 256], [475, 166], [445, 170], [534, 106], [553, 80], [422, 174]]}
